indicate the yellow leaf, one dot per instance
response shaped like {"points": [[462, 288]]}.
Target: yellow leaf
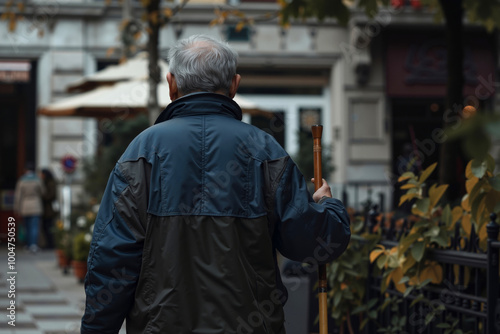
{"points": [[434, 272], [456, 214], [153, 17], [466, 224], [20, 6], [123, 24], [468, 171], [397, 275], [465, 203], [393, 250], [375, 254], [470, 183], [107, 2], [414, 280], [483, 236], [41, 32], [417, 212], [435, 194], [408, 186], [389, 277], [110, 51], [12, 25], [240, 26], [408, 264], [4, 16], [214, 22], [407, 197], [427, 172], [343, 286], [406, 176], [167, 12]]}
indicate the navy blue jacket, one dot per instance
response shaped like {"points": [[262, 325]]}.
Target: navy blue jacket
{"points": [[194, 212]]}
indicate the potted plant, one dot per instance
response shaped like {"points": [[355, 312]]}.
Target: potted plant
{"points": [[81, 248], [63, 246]]}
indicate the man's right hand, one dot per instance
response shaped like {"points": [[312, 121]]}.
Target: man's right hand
{"points": [[323, 191]]}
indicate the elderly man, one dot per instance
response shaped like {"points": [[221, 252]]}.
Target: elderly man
{"points": [[195, 211]]}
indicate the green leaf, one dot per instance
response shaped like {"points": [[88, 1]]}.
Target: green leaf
{"points": [[372, 314], [359, 309], [441, 240], [443, 325], [433, 232], [490, 163], [474, 208], [372, 302], [337, 298], [419, 298], [424, 283], [404, 280], [336, 313], [429, 318], [402, 321], [446, 215], [495, 182], [381, 261], [406, 242], [408, 291], [363, 323], [479, 167], [423, 204], [417, 251]]}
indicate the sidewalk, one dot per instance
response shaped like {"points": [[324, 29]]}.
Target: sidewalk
{"points": [[46, 300]]}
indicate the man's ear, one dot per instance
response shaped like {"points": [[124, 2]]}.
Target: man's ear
{"points": [[172, 86], [235, 83]]}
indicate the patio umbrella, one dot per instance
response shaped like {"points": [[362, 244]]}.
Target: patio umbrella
{"points": [[121, 91], [133, 69], [124, 99]]}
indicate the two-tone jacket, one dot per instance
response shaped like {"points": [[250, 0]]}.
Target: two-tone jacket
{"points": [[188, 230]]}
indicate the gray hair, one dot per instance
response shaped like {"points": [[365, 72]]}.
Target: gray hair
{"points": [[202, 63]]}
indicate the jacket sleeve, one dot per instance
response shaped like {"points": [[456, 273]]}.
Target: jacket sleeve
{"points": [[307, 231], [115, 258]]}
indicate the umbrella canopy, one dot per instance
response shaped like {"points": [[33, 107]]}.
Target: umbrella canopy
{"points": [[133, 69], [122, 90], [124, 99]]}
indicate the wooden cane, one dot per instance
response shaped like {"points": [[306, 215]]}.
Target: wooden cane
{"points": [[317, 132]]}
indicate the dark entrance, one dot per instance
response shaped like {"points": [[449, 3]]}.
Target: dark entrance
{"points": [[417, 127], [17, 129]]}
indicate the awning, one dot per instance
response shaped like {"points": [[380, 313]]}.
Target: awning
{"points": [[124, 99]]}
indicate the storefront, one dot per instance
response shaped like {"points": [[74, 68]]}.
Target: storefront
{"points": [[17, 128]]}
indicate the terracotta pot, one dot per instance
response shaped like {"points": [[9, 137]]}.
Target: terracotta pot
{"points": [[62, 259], [79, 269]]}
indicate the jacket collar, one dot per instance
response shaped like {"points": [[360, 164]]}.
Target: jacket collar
{"points": [[201, 103]]}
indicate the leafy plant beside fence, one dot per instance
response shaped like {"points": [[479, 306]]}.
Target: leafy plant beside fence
{"points": [[435, 271]]}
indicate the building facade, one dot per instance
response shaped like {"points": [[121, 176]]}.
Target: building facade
{"points": [[376, 85]]}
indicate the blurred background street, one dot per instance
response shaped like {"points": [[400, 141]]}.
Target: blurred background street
{"points": [[47, 300]]}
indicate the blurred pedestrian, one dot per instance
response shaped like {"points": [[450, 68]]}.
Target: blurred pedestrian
{"points": [[28, 205], [49, 199]]}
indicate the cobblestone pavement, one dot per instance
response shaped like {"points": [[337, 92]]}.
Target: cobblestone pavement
{"points": [[47, 301]]}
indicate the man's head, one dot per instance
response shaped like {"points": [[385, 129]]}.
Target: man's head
{"points": [[202, 64]]}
